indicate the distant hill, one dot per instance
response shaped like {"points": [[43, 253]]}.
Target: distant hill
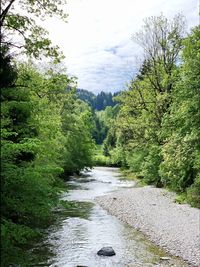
{"points": [[99, 101], [87, 96]]}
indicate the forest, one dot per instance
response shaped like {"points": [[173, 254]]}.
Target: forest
{"points": [[50, 129], [156, 133], [97, 102]]}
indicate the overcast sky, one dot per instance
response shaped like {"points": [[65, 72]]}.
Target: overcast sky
{"points": [[97, 38]]}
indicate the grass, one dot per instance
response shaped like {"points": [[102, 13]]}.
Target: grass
{"points": [[99, 159]]}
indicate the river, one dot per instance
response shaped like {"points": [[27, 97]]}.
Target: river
{"points": [[85, 228]]}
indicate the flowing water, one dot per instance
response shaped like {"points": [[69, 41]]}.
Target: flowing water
{"points": [[85, 228]]}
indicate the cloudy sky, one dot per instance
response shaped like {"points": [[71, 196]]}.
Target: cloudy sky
{"points": [[97, 40]]}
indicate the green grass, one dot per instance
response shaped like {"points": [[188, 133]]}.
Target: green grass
{"points": [[99, 159]]}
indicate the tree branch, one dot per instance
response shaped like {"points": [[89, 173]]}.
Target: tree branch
{"points": [[14, 45], [19, 31], [5, 12]]}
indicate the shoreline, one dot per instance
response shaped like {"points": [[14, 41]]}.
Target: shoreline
{"points": [[172, 226]]}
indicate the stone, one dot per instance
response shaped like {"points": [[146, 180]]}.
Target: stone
{"points": [[165, 258], [106, 251]]}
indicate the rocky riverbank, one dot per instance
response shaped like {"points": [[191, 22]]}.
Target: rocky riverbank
{"points": [[153, 211]]}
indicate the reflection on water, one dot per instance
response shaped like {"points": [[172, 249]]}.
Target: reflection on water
{"points": [[85, 227]]}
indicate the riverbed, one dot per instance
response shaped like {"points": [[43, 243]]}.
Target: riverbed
{"points": [[85, 228]]}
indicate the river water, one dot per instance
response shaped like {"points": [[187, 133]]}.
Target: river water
{"points": [[85, 228]]}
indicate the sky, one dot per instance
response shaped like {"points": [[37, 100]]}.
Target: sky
{"points": [[97, 40]]}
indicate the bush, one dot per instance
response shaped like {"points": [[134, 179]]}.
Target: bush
{"points": [[151, 166], [193, 193], [135, 161]]}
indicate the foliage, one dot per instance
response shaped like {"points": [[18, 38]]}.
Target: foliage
{"points": [[156, 132], [45, 131], [77, 128], [101, 105], [100, 129], [181, 151], [98, 102], [100, 159], [135, 159], [152, 128], [104, 100], [193, 193], [147, 100], [30, 38], [87, 97], [150, 166]]}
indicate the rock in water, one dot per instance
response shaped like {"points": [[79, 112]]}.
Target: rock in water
{"points": [[106, 251]]}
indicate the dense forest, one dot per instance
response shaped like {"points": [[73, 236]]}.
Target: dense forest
{"points": [[49, 131], [46, 131], [98, 102], [102, 105], [156, 133]]}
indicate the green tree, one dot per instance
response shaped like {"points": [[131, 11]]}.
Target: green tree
{"points": [[45, 131], [181, 151], [29, 170], [77, 126], [30, 38], [148, 98], [34, 140]]}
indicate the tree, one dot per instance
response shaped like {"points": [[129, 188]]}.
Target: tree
{"points": [[29, 37], [180, 169], [34, 139], [148, 98], [161, 41], [29, 161], [45, 131], [77, 128]]}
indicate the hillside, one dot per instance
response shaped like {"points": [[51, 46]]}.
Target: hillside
{"points": [[99, 101]]}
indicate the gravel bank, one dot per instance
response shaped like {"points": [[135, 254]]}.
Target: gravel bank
{"points": [[152, 211]]}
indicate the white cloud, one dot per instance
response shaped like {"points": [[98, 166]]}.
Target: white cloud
{"points": [[97, 38]]}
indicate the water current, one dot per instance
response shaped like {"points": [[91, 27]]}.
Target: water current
{"points": [[85, 228]]}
